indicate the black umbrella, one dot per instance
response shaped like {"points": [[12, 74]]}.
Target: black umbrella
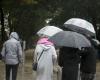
{"points": [[70, 39]]}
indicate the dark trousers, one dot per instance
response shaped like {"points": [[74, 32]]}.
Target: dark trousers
{"points": [[14, 69], [70, 72]]}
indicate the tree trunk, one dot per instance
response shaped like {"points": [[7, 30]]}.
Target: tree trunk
{"points": [[3, 33]]}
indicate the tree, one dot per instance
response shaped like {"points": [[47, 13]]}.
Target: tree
{"points": [[27, 16]]}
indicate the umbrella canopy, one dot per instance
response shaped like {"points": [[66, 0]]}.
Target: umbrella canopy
{"points": [[70, 39], [80, 25], [48, 31]]}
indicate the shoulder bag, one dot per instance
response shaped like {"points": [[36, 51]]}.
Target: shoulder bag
{"points": [[35, 64]]}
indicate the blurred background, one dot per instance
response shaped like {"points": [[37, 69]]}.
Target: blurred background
{"points": [[26, 17]]}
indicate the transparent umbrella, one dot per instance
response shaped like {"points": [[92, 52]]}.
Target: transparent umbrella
{"points": [[48, 31]]}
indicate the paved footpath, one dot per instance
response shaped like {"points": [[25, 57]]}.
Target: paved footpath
{"points": [[26, 73], [98, 71]]}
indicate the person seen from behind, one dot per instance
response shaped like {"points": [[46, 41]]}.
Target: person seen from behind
{"points": [[47, 59], [88, 61], [12, 55]]}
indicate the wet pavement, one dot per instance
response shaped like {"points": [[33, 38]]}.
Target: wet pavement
{"points": [[25, 71]]}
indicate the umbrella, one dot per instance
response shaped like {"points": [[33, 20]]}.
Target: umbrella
{"points": [[48, 31], [70, 39], [80, 25]]}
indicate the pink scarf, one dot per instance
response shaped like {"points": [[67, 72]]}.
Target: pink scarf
{"points": [[44, 41]]}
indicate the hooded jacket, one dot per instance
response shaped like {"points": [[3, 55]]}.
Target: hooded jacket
{"points": [[12, 51], [45, 63]]}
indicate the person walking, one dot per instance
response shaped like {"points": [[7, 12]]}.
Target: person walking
{"points": [[48, 58], [87, 54], [88, 62], [12, 55]]}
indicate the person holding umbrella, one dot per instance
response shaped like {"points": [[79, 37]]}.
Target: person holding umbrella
{"points": [[45, 53], [88, 55], [71, 43]]}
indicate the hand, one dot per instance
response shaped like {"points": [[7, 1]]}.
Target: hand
{"points": [[56, 68]]}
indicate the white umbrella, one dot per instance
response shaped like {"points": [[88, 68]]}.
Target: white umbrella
{"points": [[48, 31], [80, 25]]}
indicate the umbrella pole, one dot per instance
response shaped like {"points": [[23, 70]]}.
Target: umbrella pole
{"points": [[79, 77], [11, 75]]}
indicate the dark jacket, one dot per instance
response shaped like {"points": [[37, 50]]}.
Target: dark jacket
{"points": [[88, 60], [68, 56], [88, 57]]}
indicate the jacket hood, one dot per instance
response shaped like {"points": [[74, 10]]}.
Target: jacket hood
{"points": [[45, 47], [45, 44], [14, 35]]}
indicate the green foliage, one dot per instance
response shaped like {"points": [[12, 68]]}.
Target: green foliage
{"points": [[28, 16]]}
